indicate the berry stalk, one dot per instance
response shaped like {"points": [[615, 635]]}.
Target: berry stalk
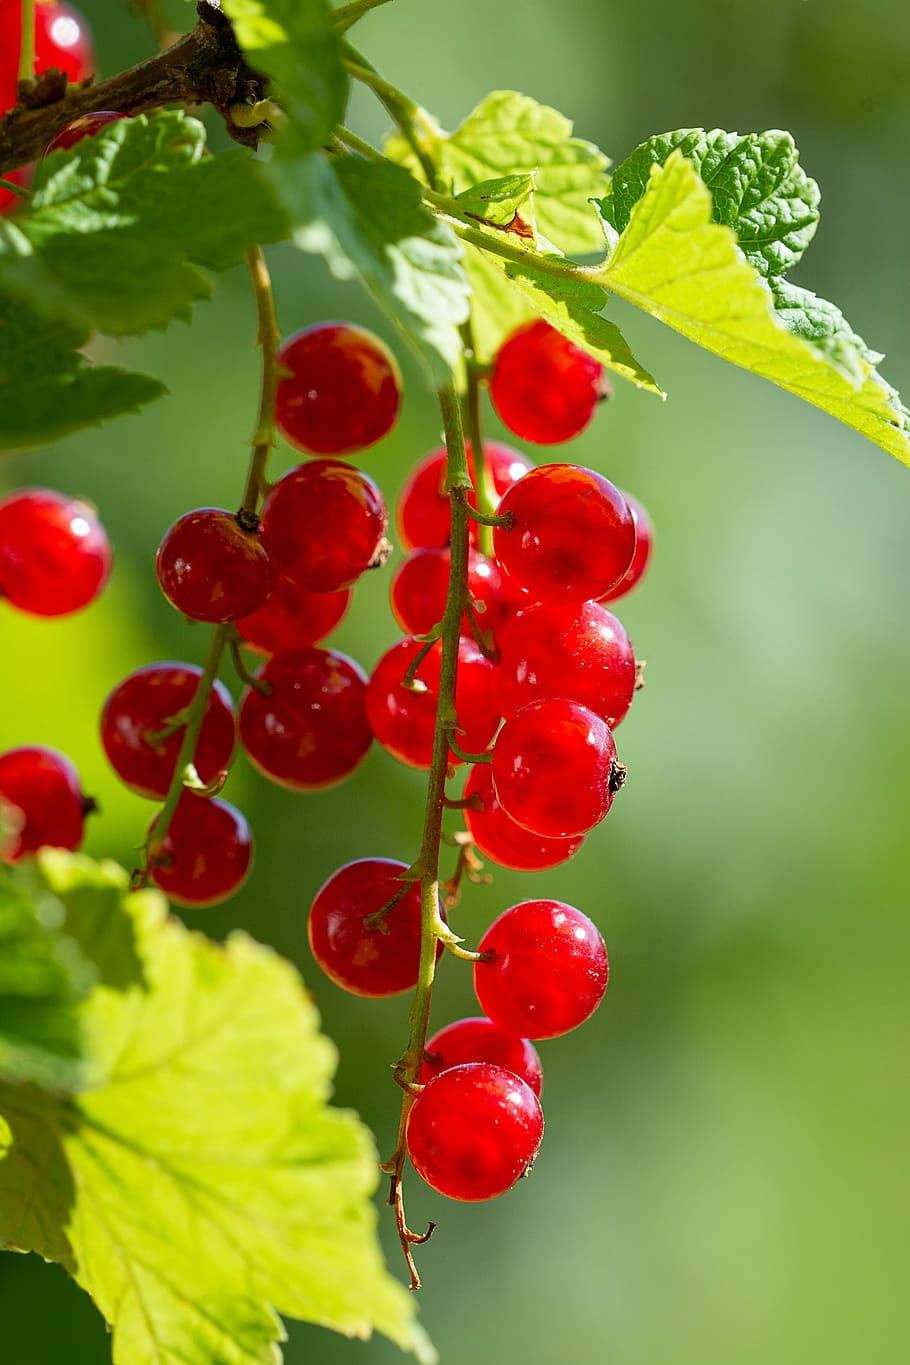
{"points": [[27, 41]]}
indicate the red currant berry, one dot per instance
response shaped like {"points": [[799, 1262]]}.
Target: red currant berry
{"points": [[554, 768], [474, 1130], [325, 521], [205, 855], [403, 718], [293, 618], [340, 390], [43, 787], [499, 838], [211, 569], [367, 959], [480, 1040], [420, 584], [62, 40], [423, 505], [571, 535], [54, 555], [85, 126], [543, 386], [141, 710], [311, 729], [544, 970], [9, 200], [644, 544], [566, 650]]}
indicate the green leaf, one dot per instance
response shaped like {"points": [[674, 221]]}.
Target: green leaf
{"points": [[368, 219], [506, 202], [201, 1182], [678, 265], [757, 187], [118, 227]]}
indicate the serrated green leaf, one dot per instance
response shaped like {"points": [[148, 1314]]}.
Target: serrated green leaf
{"points": [[201, 1182], [121, 228], [756, 183], [368, 219], [506, 202], [675, 263]]}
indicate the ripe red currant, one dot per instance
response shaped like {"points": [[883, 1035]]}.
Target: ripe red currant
{"points": [[62, 40], [571, 536], [644, 544], [140, 712], [554, 768], [310, 730], [499, 838], [544, 969], [325, 521], [577, 650], [339, 389], [423, 506], [474, 1130], [403, 719], [212, 569], [480, 1040], [42, 785], [293, 618], [543, 386], [420, 583], [54, 555], [205, 855], [378, 959], [87, 125]]}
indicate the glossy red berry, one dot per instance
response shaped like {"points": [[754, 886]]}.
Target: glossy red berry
{"points": [[474, 1130], [644, 544], [544, 970], [293, 618], [339, 389], [544, 387], [377, 960], [480, 1040], [571, 535], [497, 836], [420, 583], [555, 769], [48, 808], [311, 729], [577, 650], [87, 125], [54, 555], [403, 719], [325, 521], [143, 706], [423, 506], [212, 569], [62, 40], [206, 853]]}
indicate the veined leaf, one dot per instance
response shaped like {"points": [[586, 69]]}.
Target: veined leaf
{"points": [[506, 203]]}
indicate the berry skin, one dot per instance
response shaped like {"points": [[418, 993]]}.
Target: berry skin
{"points": [[367, 961], [572, 536], [85, 126], [644, 544], [293, 618], [473, 1131], [403, 720], [498, 838], [325, 521], [480, 1040], [544, 387], [211, 569], [341, 392], [420, 583], [9, 201], [311, 731], [63, 40], [43, 786], [566, 650], [206, 854], [547, 969], [54, 554], [143, 705], [423, 516], [554, 768]]}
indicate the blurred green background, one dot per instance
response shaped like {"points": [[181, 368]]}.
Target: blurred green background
{"points": [[724, 1173]]}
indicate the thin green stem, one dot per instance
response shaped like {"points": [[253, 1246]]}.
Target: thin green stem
{"points": [[483, 483], [409, 116], [267, 337], [27, 48], [346, 15], [500, 245], [357, 144], [20, 190]]}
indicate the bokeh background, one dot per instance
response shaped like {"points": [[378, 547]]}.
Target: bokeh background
{"points": [[724, 1173]]}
